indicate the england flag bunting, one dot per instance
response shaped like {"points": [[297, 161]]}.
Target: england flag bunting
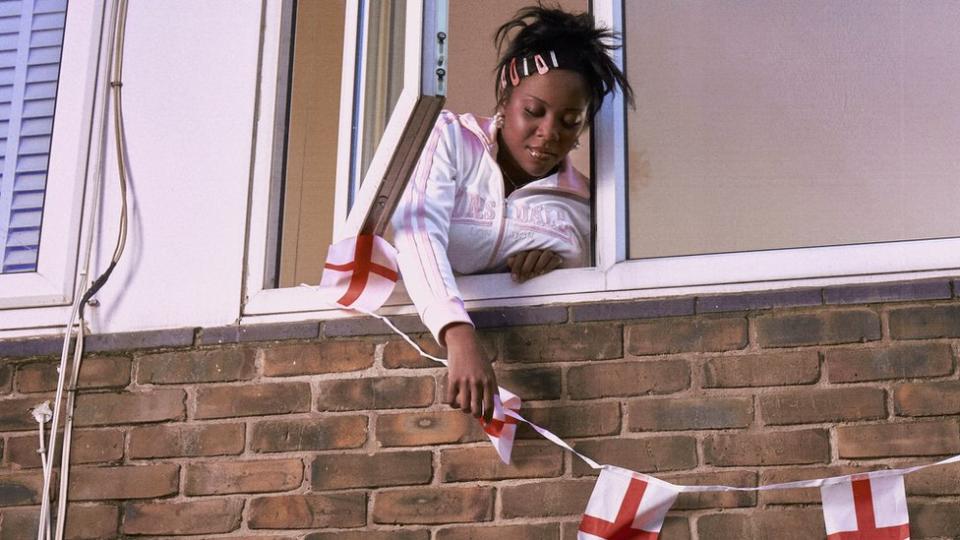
{"points": [[626, 505], [502, 429], [866, 507], [360, 272]]}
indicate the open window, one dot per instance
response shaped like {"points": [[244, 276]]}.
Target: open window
{"points": [[816, 151], [48, 75], [349, 96]]}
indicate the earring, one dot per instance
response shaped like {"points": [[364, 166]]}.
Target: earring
{"points": [[498, 120], [576, 144]]}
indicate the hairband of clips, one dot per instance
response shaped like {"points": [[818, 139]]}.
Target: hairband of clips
{"points": [[523, 66]]}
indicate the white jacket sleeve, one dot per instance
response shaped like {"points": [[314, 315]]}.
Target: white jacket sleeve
{"points": [[421, 224]]}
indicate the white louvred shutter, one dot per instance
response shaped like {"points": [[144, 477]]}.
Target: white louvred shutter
{"points": [[31, 40]]}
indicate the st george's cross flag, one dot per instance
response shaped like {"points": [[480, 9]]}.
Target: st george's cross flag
{"points": [[626, 505], [501, 428], [360, 272], [866, 507]]}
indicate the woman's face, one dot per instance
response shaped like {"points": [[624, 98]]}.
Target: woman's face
{"points": [[542, 118]]}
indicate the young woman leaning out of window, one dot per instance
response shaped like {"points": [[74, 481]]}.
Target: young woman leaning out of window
{"points": [[497, 194]]}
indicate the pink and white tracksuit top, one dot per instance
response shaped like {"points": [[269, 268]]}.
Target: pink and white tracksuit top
{"points": [[453, 218]]}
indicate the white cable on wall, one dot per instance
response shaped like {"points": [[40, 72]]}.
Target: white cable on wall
{"points": [[111, 86]]}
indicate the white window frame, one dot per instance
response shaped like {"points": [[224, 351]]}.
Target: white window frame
{"points": [[419, 78], [53, 281], [616, 277]]}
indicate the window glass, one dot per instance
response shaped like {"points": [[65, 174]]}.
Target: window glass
{"points": [[763, 125], [31, 39], [309, 171], [383, 77]]}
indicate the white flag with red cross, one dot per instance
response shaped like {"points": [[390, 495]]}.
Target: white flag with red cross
{"points": [[866, 507], [502, 429], [360, 272], [626, 505]]}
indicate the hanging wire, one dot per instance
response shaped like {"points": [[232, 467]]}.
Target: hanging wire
{"points": [[76, 321]]}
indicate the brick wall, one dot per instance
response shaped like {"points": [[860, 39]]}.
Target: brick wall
{"points": [[335, 430]]}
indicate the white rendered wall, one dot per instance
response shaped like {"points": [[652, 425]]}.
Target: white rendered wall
{"points": [[189, 83]]}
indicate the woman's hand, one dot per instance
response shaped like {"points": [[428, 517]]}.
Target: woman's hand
{"points": [[529, 264], [471, 383]]}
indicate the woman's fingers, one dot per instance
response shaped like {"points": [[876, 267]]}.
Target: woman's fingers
{"points": [[529, 263], [452, 389], [532, 263], [489, 389], [478, 399], [464, 398], [545, 259]]}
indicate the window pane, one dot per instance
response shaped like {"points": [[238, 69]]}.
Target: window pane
{"points": [[763, 125], [310, 159], [383, 80], [31, 38]]}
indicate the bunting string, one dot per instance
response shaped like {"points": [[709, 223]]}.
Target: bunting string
{"points": [[360, 275]]}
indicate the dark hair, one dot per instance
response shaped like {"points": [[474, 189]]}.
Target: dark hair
{"points": [[573, 36]]}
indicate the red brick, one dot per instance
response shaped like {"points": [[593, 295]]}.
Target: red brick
{"points": [[562, 343], [765, 369], [582, 420], [928, 399], [929, 519], [894, 362], [391, 534], [186, 367], [309, 434], [252, 400], [698, 334], [812, 405], [820, 328], [344, 471], [313, 358], [308, 511], [6, 378], [91, 521], [633, 378], [19, 523], [84, 522], [792, 474], [15, 412], [427, 428], [433, 505], [925, 322], [390, 392], [545, 498], [530, 383], [767, 448], [222, 478], [138, 482], [192, 517], [482, 463], [670, 414], [20, 488], [178, 440], [95, 372], [935, 481], [674, 528], [774, 524], [717, 499], [89, 446], [539, 531], [649, 455], [130, 407], [889, 440], [399, 354]]}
